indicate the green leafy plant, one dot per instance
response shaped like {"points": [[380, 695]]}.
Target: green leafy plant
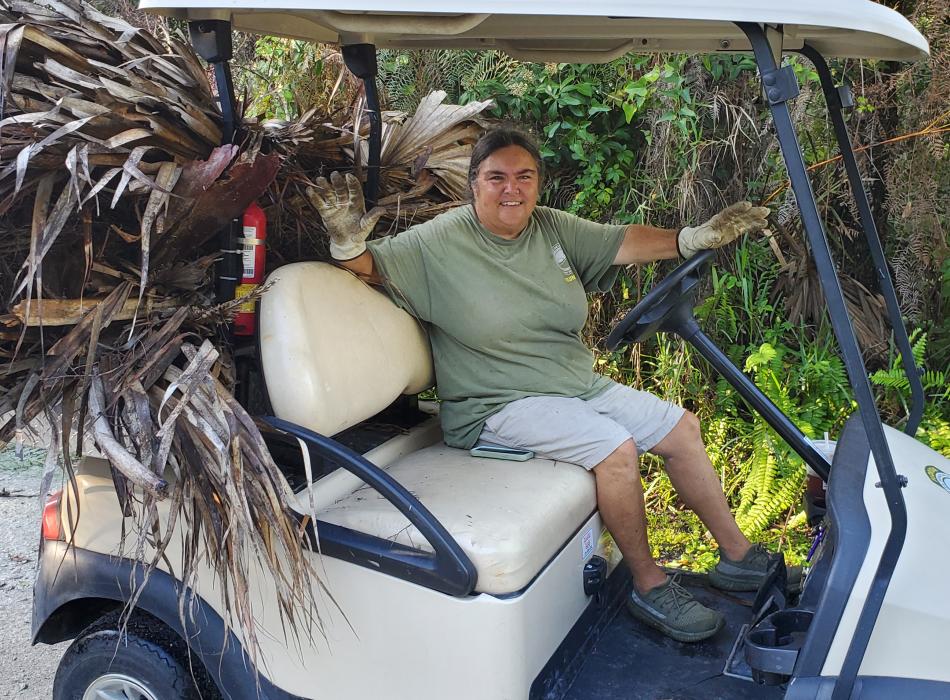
{"points": [[895, 378], [895, 399], [812, 394]]}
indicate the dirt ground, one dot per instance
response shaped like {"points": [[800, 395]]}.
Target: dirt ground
{"points": [[27, 671]]}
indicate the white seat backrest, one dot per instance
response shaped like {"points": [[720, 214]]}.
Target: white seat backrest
{"points": [[334, 350]]}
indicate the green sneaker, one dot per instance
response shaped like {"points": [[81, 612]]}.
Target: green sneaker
{"points": [[672, 609], [747, 574]]}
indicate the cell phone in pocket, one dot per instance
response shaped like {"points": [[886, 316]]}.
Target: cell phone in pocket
{"points": [[515, 454]]}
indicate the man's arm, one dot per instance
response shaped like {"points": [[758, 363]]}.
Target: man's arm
{"points": [[643, 244], [362, 264]]}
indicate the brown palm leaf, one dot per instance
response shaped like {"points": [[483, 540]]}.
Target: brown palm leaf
{"points": [[800, 288], [110, 149], [429, 150]]}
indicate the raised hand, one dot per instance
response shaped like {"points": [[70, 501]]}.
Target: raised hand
{"points": [[723, 228], [343, 210]]}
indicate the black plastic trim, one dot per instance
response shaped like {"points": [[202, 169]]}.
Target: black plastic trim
{"points": [[833, 99], [854, 364], [388, 557], [211, 39], [447, 570], [781, 85], [870, 688], [74, 575], [852, 534], [565, 664], [772, 646]]}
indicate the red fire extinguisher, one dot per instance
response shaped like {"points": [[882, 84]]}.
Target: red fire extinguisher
{"points": [[252, 258]]}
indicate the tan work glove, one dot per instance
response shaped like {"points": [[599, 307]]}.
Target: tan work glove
{"points": [[723, 228], [343, 210]]}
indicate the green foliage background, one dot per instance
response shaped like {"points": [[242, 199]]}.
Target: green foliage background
{"points": [[671, 139]]}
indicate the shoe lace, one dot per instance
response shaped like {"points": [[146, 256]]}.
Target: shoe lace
{"points": [[674, 595]]}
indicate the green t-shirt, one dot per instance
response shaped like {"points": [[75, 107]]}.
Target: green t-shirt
{"points": [[504, 316]]}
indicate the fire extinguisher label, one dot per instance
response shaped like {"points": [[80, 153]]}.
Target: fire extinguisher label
{"points": [[247, 257]]}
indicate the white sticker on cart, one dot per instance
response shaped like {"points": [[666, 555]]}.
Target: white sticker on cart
{"points": [[587, 543]]}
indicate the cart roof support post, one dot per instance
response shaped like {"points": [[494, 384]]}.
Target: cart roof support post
{"points": [[838, 98], [212, 41], [778, 90], [360, 59]]}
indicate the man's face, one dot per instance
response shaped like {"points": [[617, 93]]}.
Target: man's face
{"points": [[506, 191]]}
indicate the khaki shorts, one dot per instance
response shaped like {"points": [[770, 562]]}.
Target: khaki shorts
{"points": [[580, 431]]}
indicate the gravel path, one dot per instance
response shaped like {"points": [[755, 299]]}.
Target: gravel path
{"points": [[27, 671]]}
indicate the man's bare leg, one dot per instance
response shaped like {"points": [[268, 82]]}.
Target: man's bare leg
{"points": [[655, 599], [695, 480], [620, 502]]}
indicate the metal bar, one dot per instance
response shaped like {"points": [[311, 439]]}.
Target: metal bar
{"points": [[375, 142], [360, 59], [833, 100], [761, 403], [211, 39], [454, 566], [854, 364], [229, 266], [222, 78]]}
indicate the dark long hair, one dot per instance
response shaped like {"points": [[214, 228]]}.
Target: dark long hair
{"points": [[495, 140]]}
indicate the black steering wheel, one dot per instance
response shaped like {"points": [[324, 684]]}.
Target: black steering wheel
{"points": [[667, 307]]}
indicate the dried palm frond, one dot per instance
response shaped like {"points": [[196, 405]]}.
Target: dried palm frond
{"points": [[432, 139], [424, 167], [111, 344], [426, 151], [798, 285]]}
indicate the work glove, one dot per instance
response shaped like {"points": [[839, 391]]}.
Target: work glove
{"points": [[723, 228], [343, 210]]}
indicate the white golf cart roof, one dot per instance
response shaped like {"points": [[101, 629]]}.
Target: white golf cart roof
{"points": [[568, 30]]}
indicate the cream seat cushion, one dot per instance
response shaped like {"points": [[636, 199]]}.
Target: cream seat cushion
{"points": [[510, 518]]}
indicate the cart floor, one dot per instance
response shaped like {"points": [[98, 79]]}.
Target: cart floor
{"points": [[633, 661]]}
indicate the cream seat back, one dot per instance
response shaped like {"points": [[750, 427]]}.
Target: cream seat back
{"points": [[335, 351]]}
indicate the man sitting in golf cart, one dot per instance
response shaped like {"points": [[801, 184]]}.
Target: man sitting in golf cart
{"points": [[502, 286]]}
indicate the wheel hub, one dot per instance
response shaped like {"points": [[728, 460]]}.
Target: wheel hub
{"points": [[117, 686]]}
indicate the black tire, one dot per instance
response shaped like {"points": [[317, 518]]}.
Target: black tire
{"points": [[145, 651]]}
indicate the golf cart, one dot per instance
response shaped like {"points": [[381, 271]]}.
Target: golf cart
{"points": [[463, 577]]}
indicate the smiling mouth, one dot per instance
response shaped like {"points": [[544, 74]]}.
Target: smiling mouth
{"points": [[511, 204]]}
